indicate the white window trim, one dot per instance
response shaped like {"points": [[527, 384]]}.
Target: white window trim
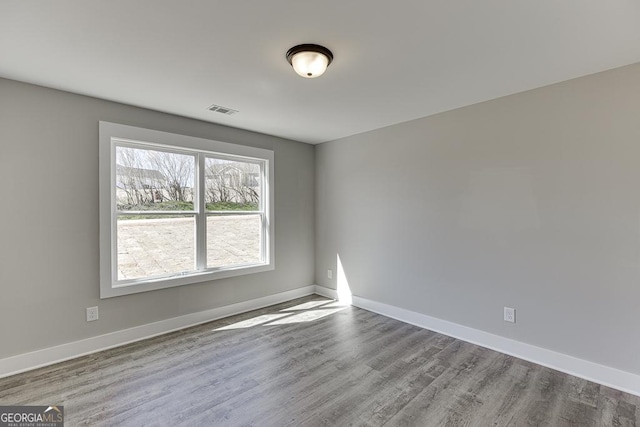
{"points": [[111, 132]]}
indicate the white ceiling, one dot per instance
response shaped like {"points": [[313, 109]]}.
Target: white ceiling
{"points": [[394, 60]]}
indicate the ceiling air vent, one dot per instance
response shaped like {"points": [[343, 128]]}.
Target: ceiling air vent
{"points": [[222, 110]]}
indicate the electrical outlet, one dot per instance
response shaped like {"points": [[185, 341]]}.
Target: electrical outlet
{"points": [[92, 314], [510, 314], [329, 274]]}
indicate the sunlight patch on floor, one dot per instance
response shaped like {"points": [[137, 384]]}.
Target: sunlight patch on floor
{"points": [[305, 312], [336, 304], [307, 305], [255, 321], [306, 316]]}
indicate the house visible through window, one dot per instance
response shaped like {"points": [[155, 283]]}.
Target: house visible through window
{"points": [[174, 213]]}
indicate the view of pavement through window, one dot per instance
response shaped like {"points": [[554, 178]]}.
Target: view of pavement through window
{"points": [[143, 244]]}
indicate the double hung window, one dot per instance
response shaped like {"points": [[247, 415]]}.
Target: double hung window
{"points": [[177, 210]]}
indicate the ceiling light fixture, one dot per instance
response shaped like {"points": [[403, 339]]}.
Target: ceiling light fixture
{"points": [[309, 60]]}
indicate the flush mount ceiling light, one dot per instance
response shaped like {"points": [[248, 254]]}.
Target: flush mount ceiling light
{"points": [[309, 60]]}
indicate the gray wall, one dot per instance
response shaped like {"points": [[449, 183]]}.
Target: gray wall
{"points": [[49, 220], [530, 201]]}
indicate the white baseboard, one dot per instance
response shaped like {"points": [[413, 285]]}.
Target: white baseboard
{"points": [[48, 356], [601, 374], [326, 292]]}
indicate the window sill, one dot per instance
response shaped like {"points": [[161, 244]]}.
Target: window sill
{"points": [[135, 287]]}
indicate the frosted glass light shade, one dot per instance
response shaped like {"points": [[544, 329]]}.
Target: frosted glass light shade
{"points": [[309, 60], [309, 64]]}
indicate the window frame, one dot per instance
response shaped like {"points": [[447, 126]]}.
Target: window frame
{"points": [[112, 135]]}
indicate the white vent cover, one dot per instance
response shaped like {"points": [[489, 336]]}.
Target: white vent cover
{"points": [[222, 110]]}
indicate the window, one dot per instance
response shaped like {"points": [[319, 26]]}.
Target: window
{"points": [[176, 210]]}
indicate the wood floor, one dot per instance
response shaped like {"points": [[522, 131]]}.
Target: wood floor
{"points": [[310, 362]]}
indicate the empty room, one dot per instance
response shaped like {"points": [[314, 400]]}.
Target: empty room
{"points": [[295, 213]]}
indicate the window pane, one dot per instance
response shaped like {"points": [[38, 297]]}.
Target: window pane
{"points": [[231, 185], [151, 246], [233, 240], [154, 180]]}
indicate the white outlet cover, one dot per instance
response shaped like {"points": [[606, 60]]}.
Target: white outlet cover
{"points": [[510, 315], [92, 314], [329, 274]]}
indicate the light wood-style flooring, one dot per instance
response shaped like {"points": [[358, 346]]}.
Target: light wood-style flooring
{"points": [[311, 362]]}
